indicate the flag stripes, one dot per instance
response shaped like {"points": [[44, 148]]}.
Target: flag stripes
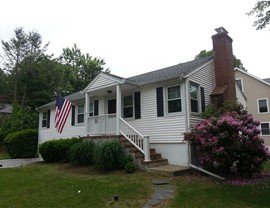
{"points": [[62, 109]]}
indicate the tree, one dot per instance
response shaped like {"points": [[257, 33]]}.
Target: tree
{"points": [[237, 62], [80, 69], [20, 52], [262, 13]]}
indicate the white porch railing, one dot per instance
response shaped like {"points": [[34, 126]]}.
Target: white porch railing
{"points": [[105, 124], [136, 138]]}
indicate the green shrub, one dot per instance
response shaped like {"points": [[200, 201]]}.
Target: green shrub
{"points": [[22, 144], [128, 164], [82, 153], [3, 135], [57, 150], [130, 167], [109, 155]]}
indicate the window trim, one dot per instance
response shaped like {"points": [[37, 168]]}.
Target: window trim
{"points": [[133, 106], [166, 98], [242, 86], [77, 114], [198, 97], [267, 122], [45, 120], [258, 105], [93, 110]]}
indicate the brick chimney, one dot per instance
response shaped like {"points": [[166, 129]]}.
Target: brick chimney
{"points": [[224, 69]]}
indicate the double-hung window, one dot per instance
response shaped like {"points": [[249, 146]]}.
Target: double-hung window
{"points": [[265, 128], [194, 98], [80, 115], [263, 105], [91, 109], [174, 99], [128, 106], [44, 119]]}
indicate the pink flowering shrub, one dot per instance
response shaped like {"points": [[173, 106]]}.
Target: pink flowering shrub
{"points": [[229, 143]]}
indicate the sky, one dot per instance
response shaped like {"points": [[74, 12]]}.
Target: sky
{"points": [[138, 36]]}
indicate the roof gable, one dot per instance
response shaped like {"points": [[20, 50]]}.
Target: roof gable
{"points": [[103, 80], [264, 81]]}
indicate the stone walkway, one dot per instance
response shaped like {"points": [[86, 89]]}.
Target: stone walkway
{"points": [[11, 163], [162, 191]]}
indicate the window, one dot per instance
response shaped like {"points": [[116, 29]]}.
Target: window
{"points": [[263, 106], [240, 84], [174, 99], [45, 123], [265, 129], [194, 98], [128, 106], [91, 109], [44, 119], [80, 115]]}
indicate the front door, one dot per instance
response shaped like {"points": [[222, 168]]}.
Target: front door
{"points": [[112, 106]]}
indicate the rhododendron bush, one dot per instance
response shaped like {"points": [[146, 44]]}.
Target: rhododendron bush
{"points": [[229, 143]]}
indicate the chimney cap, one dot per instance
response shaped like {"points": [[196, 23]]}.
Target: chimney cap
{"points": [[221, 30]]}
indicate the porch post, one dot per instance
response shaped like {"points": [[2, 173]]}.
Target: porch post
{"points": [[86, 115], [118, 108]]}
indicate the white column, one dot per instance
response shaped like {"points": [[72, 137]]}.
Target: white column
{"points": [[118, 108], [86, 115]]}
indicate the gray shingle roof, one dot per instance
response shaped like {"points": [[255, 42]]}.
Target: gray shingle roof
{"points": [[164, 74], [168, 73], [267, 80]]}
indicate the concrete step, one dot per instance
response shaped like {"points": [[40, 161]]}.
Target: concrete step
{"points": [[170, 170]]}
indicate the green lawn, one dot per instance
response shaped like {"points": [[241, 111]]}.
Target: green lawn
{"points": [[62, 185]]}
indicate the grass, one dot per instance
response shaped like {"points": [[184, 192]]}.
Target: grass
{"points": [[57, 185], [201, 191]]}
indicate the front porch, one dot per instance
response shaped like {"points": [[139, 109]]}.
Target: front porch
{"points": [[109, 101]]}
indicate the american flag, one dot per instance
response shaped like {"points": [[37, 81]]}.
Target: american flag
{"points": [[62, 109]]}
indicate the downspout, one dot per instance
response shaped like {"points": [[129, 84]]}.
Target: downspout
{"points": [[205, 171], [187, 120]]}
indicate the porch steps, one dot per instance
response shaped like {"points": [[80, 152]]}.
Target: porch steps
{"points": [[170, 170], [156, 158]]}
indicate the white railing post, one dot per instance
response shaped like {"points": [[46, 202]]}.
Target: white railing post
{"points": [[118, 109], [146, 148]]}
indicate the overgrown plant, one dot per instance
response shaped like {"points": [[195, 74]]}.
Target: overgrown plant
{"points": [[82, 153], [128, 164], [109, 155], [229, 142]]}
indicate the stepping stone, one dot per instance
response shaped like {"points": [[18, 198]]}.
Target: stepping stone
{"points": [[160, 182]]}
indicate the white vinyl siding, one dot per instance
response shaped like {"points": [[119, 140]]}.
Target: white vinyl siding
{"points": [[205, 77], [165, 129]]}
